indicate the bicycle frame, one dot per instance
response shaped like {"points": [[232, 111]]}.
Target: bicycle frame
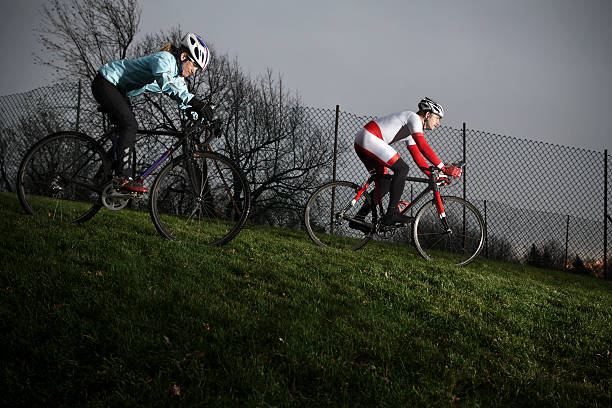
{"points": [[432, 186], [183, 140]]}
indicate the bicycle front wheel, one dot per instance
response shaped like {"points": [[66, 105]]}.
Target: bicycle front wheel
{"points": [[61, 177], [329, 211], [203, 199], [458, 240]]}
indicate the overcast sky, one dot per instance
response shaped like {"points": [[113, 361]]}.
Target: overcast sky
{"points": [[531, 69]]}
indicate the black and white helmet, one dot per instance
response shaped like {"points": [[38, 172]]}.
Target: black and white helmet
{"points": [[198, 51], [429, 105]]}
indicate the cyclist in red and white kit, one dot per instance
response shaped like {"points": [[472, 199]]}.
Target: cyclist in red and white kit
{"points": [[373, 146]]}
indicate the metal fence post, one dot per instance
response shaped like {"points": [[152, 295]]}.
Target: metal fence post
{"points": [[333, 198], [78, 109], [486, 229], [336, 142], [464, 188], [606, 217], [411, 200], [464, 159], [566, 242]]}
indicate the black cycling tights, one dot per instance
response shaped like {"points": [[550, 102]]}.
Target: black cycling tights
{"points": [[396, 185], [113, 100]]}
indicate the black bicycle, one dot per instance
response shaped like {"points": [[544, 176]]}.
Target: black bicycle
{"points": [[199, 196], [444, 228]]}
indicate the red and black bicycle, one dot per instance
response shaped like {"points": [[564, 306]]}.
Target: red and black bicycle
{"points": [[444, 228]]}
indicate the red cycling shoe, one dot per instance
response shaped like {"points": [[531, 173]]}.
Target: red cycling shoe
{"points": [[131, 185]]}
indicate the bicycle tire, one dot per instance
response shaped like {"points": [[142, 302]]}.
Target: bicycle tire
{"points": [[322, 217], [212, 213], [61, 176], [435, 243]]}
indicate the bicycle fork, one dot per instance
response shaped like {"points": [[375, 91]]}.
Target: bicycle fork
{"points": [[359, 193], [352, 204], [441, 213]]}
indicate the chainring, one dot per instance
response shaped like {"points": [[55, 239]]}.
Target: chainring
{"points": [[114, 199]]}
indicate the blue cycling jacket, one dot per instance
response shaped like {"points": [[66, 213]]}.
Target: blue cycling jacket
{"points": [[153, 73]]}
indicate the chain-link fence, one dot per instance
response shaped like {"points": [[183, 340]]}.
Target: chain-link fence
{"points": [[544, 204]]}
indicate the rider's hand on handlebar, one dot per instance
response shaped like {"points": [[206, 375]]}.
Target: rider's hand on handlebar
{"points": [[201, 109], [451, 171], [443, 181], [195, 105]]}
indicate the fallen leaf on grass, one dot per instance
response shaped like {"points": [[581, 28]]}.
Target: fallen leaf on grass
{"points": [[196, 354], [96, 273]]}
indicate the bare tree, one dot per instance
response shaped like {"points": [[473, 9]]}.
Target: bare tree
{"points": [[281, 152], [79, 36]]}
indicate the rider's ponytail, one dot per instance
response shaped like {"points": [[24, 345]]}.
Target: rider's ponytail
{"points": [[176, 51], [168, 47]]}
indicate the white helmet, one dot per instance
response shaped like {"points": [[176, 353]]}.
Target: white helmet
{"points": [[198, 51], [428, 105]]}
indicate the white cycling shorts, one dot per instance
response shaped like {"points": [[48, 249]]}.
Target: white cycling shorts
{"points": [[374, 152]]}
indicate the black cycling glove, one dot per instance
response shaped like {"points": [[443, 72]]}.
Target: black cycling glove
{"points": [[201, 108], [196, 105]]}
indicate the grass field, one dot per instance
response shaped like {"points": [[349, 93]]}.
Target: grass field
{"points": [[109, 314]]}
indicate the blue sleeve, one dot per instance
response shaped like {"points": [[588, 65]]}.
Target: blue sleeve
{"points": [[167, 80]]}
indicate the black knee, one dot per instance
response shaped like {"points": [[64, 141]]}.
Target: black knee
{"points": [[400, 168]]}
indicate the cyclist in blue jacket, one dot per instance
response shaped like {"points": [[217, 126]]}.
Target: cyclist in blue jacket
{"points": [[162, 72]]}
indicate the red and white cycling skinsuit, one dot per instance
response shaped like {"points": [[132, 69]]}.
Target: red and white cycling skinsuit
{"points": [[372, 142]]}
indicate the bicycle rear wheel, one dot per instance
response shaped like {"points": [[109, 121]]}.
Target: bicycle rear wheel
{"points": [[204, 199], [327, 212], [60, 178], [460, 243]]}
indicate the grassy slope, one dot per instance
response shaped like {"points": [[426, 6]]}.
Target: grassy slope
{"points": [[109, 314]]}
